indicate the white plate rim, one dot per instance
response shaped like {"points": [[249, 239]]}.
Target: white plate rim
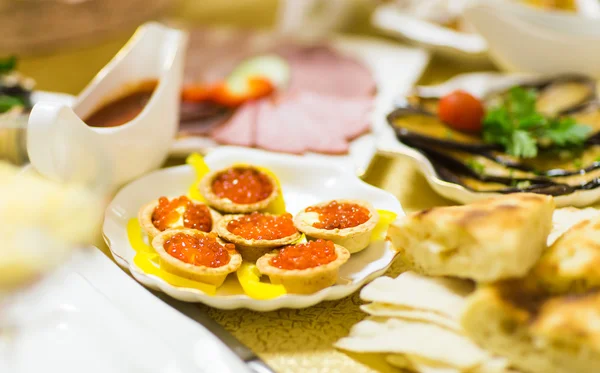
{"points": [[243, 301]]}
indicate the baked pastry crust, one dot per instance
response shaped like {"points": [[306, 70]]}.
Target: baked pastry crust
{"points": [[537, 332], [228, 206], [304, 281], [354, 239], [485, 241], [572, 263], [214, 276], [145, 219], [251, 249]]}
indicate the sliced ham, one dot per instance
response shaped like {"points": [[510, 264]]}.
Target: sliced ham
{"points": [[323, 70], [241, 128], [346, 118], [277, 130], [327, 102]]}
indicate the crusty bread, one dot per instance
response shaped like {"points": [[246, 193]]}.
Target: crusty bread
{"points": [[572, 263], [538, 333], [485, 241]]}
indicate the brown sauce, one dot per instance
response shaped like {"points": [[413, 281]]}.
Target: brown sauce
{"points": [[124, 108]]}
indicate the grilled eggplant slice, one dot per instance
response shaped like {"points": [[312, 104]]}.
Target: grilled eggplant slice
{"points": [[414, 124], [466, 160], [479, 173], [560, 95]]}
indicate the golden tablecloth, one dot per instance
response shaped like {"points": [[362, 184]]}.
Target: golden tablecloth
{"points": [[288, 340]]}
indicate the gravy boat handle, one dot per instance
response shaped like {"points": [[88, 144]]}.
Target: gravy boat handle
{"points": [[55, 143]]}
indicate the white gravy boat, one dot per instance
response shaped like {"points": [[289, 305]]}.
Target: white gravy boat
{"points": [[62, 147]]}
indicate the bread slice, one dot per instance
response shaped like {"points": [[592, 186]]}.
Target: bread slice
{"points": [[485, 241], [538, 333], [572, 263]]}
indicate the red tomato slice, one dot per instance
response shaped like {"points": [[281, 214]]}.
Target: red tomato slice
{"points": [[461, 111]]}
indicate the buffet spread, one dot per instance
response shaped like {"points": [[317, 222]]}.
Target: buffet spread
{"points": [[270, 231]]}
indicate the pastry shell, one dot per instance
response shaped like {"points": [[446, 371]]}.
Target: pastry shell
{"points": [[304, 281], [228, 206], [251, 249], [209, 275], [145, 219], [354, 239]]}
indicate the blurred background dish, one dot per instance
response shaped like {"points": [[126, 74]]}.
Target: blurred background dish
{"points": [[444, 27], [434, 25], [548, 42]]}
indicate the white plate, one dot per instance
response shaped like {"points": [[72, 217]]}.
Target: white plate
{"points": [[304, 182], [478, 84], [395, 69], [469, 47], [91, 317]]}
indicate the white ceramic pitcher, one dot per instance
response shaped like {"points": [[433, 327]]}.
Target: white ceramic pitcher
{"points": [[62, 147]]}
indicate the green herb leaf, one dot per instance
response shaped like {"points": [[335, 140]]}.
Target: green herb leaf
{"points": [[8, 102], [521, 130], [522, 145], [476, 166], [8, 64]]}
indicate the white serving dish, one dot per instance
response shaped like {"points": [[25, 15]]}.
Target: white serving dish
{"points": [[89, 316], [478, 84], [62, 147], [395, 69], [430, 35], [548, 42], [303, 181]]}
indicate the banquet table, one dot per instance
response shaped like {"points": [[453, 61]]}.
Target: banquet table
{"points": [[288, 340]]}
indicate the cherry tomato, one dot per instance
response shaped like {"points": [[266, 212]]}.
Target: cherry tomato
{"points": [[461, 111]]}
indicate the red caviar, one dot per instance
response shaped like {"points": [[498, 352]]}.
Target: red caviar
{"points": [[195, 216], [340, 215], [257, 226], [306, 255], [242, 185], [199, 250]]}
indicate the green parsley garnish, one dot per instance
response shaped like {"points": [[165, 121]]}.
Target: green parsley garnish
{"points": [[522, 130], [478, 167], [8, 64], [8, 102], [523, 184]]}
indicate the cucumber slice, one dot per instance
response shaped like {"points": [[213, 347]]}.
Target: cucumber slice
{"points": [[271, 67]]}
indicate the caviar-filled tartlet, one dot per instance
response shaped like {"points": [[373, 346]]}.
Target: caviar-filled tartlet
{"points": [[304, 268], [346, 222], [256, 234], [196, 255], [180, 212], [239, 189]]}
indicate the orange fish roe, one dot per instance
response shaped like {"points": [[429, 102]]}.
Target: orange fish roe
{"points": [[199, 250], [195, 216], [340, 215], [257, 226], [306, 255], [242, 185]]}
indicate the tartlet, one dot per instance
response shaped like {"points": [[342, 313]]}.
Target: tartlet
{"points": [[239, 189], [354, 237], [146, 218], [305, 280], [252, 235], [166, 248]]}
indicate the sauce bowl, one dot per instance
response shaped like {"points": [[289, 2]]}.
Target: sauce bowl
{"points": [[61, 146]]}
